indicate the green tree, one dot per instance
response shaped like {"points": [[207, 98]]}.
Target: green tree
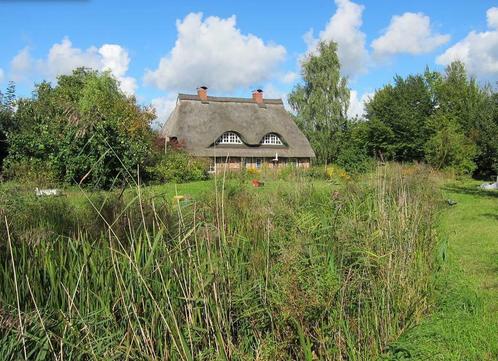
{"points": [[321, 102], [7, 111], [398, 115], [473, 108], [84, 129], [449, 147]]}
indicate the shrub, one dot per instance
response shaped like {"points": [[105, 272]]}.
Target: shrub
{"points": [[31, 171], [177, 166], [449, 148]]}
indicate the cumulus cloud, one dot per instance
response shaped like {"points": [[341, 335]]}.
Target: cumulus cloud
{"points": [[164, 106], [21, 65], [62, 58], [344, 28], [478, 50], [492, 17], [289, 77], [213, 52], [410, 33], [357, 104]]}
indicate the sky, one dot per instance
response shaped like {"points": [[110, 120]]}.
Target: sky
{"points": [[157, 49]]}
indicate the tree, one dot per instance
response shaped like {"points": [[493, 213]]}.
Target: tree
{"points": [[449, 147], [473, 109], [83, 129], [322, 101], [7, 106], [398, 115]]}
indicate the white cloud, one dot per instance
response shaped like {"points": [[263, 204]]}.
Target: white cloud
{"points": [[410, 33], [21, 65], [478, 50], [357, 104], [164, 106], [2, 75], [215, 53], [116, 60], [492, 17], [289, 77], [62, 58], [344, 28]]}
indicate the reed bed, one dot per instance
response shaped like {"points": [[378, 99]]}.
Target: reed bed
{"points": [[306, 272]]}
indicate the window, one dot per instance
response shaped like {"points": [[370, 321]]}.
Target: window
{"points": [[271, 139], [229, 138], [259, 162]]}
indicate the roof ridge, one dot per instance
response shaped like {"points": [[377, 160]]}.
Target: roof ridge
{"points": [[182, 96]]}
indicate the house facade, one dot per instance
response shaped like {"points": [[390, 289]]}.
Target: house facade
{"points": [[237, 133]]}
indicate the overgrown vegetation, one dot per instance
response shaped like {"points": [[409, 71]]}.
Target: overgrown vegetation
{"points": [[82, 130], [301, 272], [177, 166]]}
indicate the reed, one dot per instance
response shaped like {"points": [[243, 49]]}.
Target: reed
{"points": [[306, 272]]}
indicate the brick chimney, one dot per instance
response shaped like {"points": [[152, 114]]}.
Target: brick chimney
{"points": [[202, 93], [257, 96]]}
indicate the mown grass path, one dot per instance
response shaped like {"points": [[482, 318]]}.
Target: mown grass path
{"points": [[464, 325], [472, 231]]}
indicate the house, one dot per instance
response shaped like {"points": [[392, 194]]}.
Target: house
{"points": [[237, 132]]}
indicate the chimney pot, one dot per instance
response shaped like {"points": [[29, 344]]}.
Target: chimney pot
{"points": [[202, 93], [257, 96]]}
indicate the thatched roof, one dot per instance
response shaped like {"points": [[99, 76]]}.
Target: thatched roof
{"points": [[198, 124]]}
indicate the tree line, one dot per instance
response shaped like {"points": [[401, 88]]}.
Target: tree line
{"points": [[446, 119], [85, 130]]}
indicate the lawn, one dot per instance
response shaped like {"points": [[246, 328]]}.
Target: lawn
{"points": [[464, 325]]}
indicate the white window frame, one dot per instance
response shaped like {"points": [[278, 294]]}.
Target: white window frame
{"points": [[229, 138], [271, 139]]}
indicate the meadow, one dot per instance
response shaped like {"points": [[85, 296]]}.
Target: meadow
{"points": [[377, 267]]}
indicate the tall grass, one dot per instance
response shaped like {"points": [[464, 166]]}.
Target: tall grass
{"points": [[305, 272]]}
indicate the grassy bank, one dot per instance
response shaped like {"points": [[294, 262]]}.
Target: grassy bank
{"points": [[464, 324], [293, 270]]}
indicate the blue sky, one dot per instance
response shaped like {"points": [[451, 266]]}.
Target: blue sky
{"points": [[157, 49]]}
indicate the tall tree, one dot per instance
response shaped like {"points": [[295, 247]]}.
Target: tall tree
{"points": [[321, 102], [402, 110]]}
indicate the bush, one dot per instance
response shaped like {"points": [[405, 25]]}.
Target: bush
{"points": [[178, 166], [355, 160], [449, 148], [32, 171]]}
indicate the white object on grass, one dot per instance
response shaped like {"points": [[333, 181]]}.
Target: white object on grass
{"points": [[490, 185], [47, 192]]}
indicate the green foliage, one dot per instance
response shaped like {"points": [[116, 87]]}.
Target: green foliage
{"points": [[399, 115], [449, 147], [84, 128], [463, 325], [299, 270], [178, 166], [34, 172], [444, 119], [354, 156], [322, 101], [7, 111]]}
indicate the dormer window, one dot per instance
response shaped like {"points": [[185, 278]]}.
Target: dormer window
{"points": [[271, 139], [229, 138]]}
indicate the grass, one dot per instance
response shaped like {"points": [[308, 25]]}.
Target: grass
{"points": [[464, 324], [294, 270]]}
